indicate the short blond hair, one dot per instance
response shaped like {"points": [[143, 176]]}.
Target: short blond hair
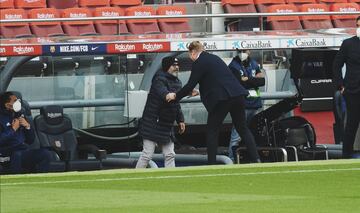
{"points": [[196, 46]]}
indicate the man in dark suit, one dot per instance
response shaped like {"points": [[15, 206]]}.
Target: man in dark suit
{"points": [[349, 86], [221, 93]]}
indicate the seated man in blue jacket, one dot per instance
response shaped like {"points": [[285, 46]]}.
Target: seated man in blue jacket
{"points": [[15, 135]]}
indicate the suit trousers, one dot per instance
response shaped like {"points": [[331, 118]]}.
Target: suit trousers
{"points": [[352, 123], [236, 107]]}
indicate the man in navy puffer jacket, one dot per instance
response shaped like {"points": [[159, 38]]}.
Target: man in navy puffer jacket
{"points": [[15, 135], [159, 115]]}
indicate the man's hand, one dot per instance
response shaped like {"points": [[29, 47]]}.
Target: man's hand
{"points": [[170, 96], [181, 127], [194, 92], [259, 75], [15, 124], [24, 123], [342, 90], [244, 78]]}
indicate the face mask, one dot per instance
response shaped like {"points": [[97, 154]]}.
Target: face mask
{"points": [[358, 32], [17, 106], [243, 56]]}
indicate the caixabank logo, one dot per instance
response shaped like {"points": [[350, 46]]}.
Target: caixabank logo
{"points": [[307, 42], [254, 44], [208, 45]]}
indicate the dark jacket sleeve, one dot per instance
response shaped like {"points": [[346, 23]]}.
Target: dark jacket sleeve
{"points": [[29, 134], [6, 134], [339, 61], [194, 79], [236, 73], [179, 115], [160, 87], [251, 82]]}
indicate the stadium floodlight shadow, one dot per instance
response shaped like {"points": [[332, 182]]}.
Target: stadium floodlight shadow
{"points": [[54, 130]]}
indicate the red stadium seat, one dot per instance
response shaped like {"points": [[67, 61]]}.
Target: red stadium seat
{"points": [[110, 27], [298, 3], [92, 4], [45, 29], [262, 5], [315, 22], [178, 25], [14, 30], [4, 4], [76, 28], [284, 22], [62, 4], [125, 3], [28, 5], [343, 21], [331, 2], [241, 6], [355, 1], [142, 26]]}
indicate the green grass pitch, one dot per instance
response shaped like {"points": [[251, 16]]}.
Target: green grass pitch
{"points": [[313, 186]]}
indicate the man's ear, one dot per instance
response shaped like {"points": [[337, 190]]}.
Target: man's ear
{"points": [[7, 106]]}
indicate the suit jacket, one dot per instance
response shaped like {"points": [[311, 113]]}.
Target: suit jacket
{"points": [[349, 53], [215, 79]]}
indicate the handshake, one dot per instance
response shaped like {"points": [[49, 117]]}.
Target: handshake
{"points": [[172, 96]]}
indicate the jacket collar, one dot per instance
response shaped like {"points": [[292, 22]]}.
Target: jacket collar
{"points": [[6, 112], [166, 75]]}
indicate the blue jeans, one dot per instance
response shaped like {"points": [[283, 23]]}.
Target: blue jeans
{"points": [[235, 137]]}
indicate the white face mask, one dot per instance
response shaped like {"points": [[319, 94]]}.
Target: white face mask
{"points": [[358, 32], [17, 106], [243, 56]]}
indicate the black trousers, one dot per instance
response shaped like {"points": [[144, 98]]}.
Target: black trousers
{"points": [[236, 107], [352, 123], [33, 160]]}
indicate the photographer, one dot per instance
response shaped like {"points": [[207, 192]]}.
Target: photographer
{"points": [[15, 136]]}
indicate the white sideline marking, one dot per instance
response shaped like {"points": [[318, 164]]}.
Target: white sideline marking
{"points": [[178, 176]]}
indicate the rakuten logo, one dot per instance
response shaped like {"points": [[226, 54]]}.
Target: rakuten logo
{"points": [[124, 47], [173, 12], [53, 115], [142, 13], [45, 15], [109, 14], [284, 11], [78, 15], [13, 16], [152, 47], [348, 9], [23, 50], [316, 10]]}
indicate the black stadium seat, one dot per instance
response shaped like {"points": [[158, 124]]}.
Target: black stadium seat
{"points": [[54, 129]]}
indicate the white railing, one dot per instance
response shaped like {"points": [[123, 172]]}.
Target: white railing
{"points": [[222, 15]]}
